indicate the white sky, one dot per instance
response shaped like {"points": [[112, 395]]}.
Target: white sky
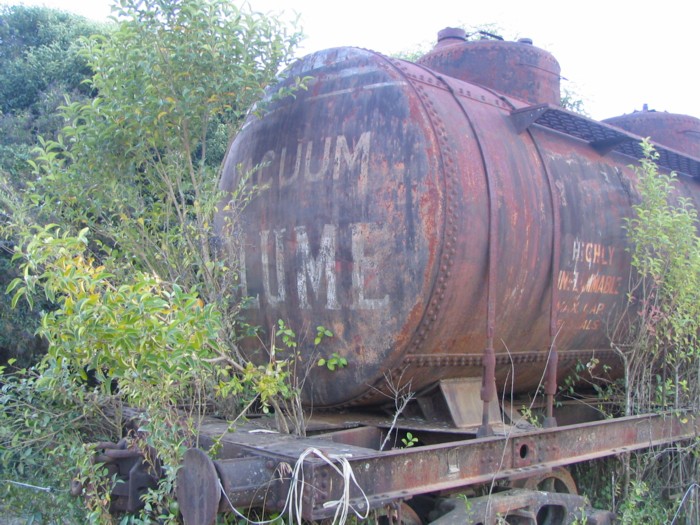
{"points": [[618, 54]]}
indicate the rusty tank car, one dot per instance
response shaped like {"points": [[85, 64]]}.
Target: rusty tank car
{"points": [[461, 234], [438, 217]]}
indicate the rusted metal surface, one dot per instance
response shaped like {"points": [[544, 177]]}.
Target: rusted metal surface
{"points": [[557, 480], [460, 234], [133, 471], [515, 69], [613, 135], [461, 399], [198, 492], [438, 229], [355, 188], [679, 132], [392, 475], [521, 506]]}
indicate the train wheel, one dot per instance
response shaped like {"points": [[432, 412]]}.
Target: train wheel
{"points": [[401, 514], [409, 516], [558, 480]]}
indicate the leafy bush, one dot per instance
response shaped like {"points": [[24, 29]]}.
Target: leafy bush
{"points": [[146, 344], [40, 63], [657, 340], [115, 233], [42, 426]]}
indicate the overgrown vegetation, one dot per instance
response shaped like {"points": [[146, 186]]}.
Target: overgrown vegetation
{"points": [[661, 353], [112, 231], [657, 341], [40, 63]]}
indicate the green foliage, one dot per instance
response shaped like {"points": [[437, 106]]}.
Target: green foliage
{"points": [[572, 100], [135, 165], [40, 63], [467, 502], [138, 333], [144, 343], [593, 377], [661, 353], [657, 341], [333, 362], [287, 334], [643, 505], [18, 338], [531, 416], [601, 480], [115, 233], [42, 426], [39, 50], [409, 441], [321, 333]]}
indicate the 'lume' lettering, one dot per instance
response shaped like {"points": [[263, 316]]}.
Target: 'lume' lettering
{"points": [[315, 272]]}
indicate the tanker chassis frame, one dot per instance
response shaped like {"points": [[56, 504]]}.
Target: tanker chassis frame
{"points": [[259, 469]]}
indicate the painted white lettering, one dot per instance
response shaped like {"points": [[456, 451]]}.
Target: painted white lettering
{"points": [[349, 159], [325, 161], [279, 266], [286, 181], [592, 253], [577, 250], [315, 268], [253, 302], [342, 152], [363, 264]]}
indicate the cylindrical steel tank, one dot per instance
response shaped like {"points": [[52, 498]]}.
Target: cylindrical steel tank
{"points": [[403, 210]]}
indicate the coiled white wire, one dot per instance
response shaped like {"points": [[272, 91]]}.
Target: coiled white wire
{"points": [[294, 501]]}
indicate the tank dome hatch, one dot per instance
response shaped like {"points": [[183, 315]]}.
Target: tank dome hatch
{"points": [[516, 69]]}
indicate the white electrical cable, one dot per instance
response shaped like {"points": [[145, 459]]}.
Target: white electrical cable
{"points": [[690, 489], [294, 501], [49, 490]]}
